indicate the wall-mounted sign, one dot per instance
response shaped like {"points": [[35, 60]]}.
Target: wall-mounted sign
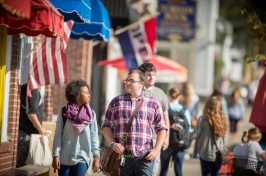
{"points": [[176, 20]]}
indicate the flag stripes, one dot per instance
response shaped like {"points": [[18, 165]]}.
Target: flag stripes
{"points": [[48, 65]]}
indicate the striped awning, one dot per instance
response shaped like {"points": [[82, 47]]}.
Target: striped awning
{"points": [[99, 26], [76, 10]]}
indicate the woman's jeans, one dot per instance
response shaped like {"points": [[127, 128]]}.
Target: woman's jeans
{"points": [[75, 170], [209, 168], [178, 158]]}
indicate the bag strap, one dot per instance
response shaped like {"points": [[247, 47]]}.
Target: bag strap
{"points": [[125, 134], [214, 140]]}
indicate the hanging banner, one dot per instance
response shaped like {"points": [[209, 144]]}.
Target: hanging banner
{"points": [[137, 42], [176, 20]]}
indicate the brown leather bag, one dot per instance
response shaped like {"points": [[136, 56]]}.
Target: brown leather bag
{"points": [[110, 161]]}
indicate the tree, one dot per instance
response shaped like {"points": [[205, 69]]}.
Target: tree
{"points": [[249, 21], [255, 12]]}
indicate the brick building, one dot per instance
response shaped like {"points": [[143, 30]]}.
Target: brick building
{"points": [[82, 58], [79, 66]]}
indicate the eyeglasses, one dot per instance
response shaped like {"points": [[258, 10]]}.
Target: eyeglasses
{"points": [[131, 81]]}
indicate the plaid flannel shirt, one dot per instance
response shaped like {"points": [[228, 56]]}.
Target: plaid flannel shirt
{"points": [[149, 116]]}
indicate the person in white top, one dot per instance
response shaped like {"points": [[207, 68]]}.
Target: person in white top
{"points": [[249, 151]]}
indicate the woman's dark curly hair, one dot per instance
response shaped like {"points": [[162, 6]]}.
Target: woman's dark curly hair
{"points": [[73, 89]]}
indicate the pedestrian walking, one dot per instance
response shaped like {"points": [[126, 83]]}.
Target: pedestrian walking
{"points": [[191, 101], [236, 111], [212, 125], [177, 144], [76, 134], [138, 150]]}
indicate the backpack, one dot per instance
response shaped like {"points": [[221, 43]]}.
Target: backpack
{"points": [[177, 140]]}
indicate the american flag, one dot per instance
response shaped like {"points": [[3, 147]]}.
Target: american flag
{"points": [[48, 65]]}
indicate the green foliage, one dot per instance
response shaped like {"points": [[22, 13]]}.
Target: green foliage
{"points": [[258, 57], [255, 11], [249, 19]]}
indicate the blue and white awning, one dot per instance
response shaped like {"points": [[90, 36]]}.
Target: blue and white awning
{"points": [[99, 26], [76, 10]]}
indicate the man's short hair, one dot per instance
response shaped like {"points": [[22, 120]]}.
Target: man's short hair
{"points": [[147, 67], [139, 72]]}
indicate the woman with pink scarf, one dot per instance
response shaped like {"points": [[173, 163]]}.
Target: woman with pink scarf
{"points": [[76, 134]]}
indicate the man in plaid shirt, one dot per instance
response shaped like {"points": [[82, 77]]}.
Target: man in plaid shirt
{"points": [[138, 150]]}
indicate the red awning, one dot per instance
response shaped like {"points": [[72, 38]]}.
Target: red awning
{"points": [[16, 8], [159, 62], [117, 63], [44, 19], [167, 70]]}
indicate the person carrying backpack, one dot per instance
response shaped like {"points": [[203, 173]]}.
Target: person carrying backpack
{"points": [[209, 134], [177, 143]]}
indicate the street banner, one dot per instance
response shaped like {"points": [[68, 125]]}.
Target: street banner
{"points": [[48, 65], [137, 41]]}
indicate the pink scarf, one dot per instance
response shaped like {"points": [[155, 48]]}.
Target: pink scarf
{"points": [[79, 117]]}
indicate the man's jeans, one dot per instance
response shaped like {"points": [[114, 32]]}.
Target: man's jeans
{"points": [[178, 158], [137, 167]]}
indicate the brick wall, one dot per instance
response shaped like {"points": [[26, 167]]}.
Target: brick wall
{"points": [[8, 150], [79, 63]]}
